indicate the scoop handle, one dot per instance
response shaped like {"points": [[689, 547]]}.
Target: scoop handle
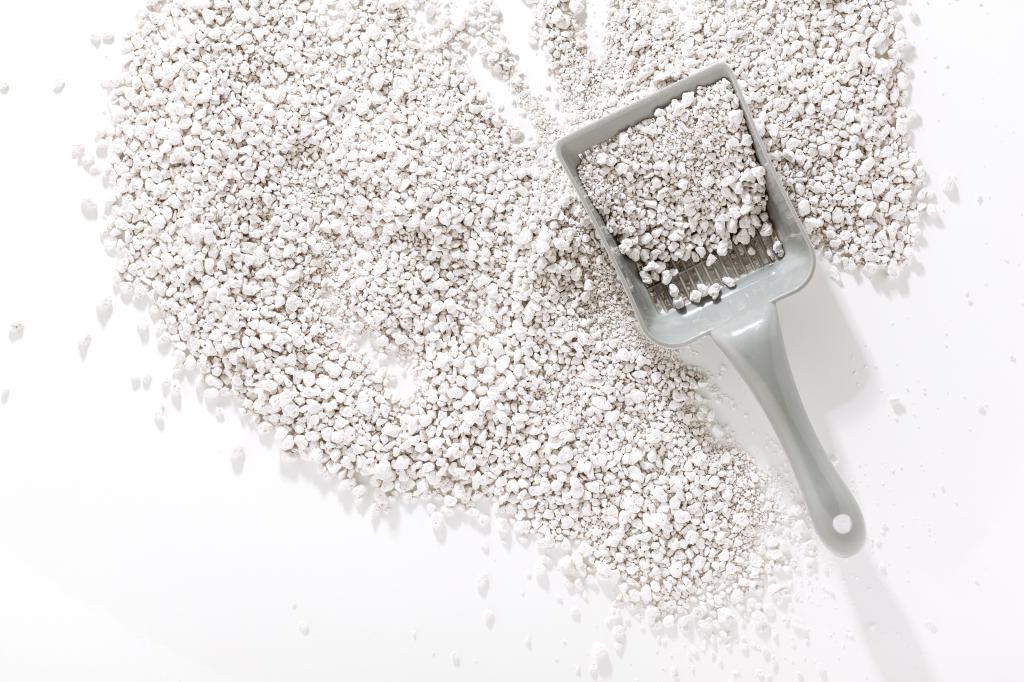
{"points": [[753, 343]]}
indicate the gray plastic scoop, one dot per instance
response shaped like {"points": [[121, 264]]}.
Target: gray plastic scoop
{"points": [[743, 321]]}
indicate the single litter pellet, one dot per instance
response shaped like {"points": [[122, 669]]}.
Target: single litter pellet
{"points": [[950, 186], [483, 584], [89, 209], [104, 309], [238, 460], [83, 346]]}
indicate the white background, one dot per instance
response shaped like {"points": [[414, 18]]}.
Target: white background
{"points": [[131, 553]]}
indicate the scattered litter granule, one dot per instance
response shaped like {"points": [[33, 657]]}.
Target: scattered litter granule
{"points": [[16, 331], [83, 346], [89, 209], [238, 460], [104, 309], [681, 187], [58, 86], [5, 394], [4, 88], [950, 187], [303, 628]]}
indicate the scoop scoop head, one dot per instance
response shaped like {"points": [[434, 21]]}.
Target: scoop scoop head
{"points": [[759, 279]]}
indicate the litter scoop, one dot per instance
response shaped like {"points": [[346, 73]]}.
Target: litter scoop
{"points": [[743, 321]]}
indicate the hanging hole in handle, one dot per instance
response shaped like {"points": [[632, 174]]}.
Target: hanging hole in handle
{"points": [[842, 524]]}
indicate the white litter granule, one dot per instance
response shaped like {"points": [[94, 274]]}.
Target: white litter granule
{"points": [[89, 209], [104, 309], [5, 394], [58, 86], [238, 460], [4, 88], [303, 628], [483, 584], [681, 187], [16, 331], [295, 178], [950, 187], [83, 346]]}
